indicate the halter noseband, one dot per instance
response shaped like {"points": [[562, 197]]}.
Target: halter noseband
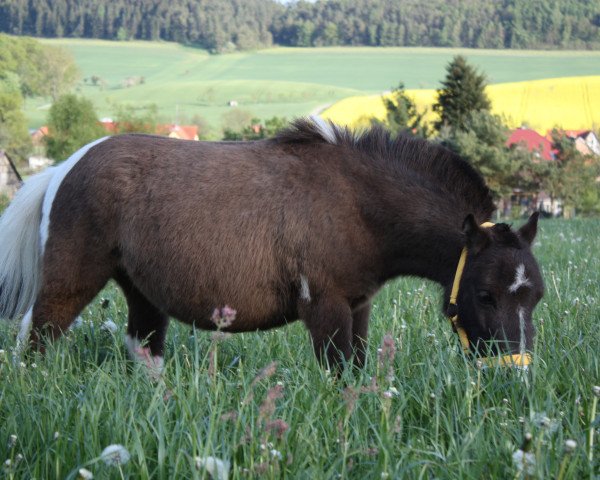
{"points": [[519, 360]]}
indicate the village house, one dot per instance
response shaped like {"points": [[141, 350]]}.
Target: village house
{"points": [[585, 141], [10, 180], [171, 130]]}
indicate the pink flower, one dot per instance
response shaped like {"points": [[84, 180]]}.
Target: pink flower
{"points": [[224, 317]]}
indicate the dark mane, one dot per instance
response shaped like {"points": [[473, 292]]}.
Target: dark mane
{"points": [[433, 162]]}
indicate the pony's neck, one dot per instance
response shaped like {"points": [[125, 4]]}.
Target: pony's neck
{"points": [[419, 230]]}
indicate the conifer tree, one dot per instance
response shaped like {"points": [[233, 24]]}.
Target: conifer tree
{"points": [[402, 113], [462, 92]]}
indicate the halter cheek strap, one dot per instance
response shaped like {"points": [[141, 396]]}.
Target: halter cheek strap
{"points": [[520, 360]]}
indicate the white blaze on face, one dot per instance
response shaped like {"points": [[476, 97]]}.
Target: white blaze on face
{"points": [[521, 280], [304, 290], [522, 343]]}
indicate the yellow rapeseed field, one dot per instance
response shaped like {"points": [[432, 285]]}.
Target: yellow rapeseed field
{"points": [[567, 102]]}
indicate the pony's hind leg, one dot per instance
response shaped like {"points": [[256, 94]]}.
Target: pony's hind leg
{"points": [[61, 298], [146, 329]]}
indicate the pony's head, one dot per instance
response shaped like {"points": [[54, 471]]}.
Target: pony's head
{"points": [[500, 286]]}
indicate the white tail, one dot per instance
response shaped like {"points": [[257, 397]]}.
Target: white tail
{"points": [[20, 250]]}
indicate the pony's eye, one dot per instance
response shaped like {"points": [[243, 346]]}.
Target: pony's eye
{"points": [[485, 298]]}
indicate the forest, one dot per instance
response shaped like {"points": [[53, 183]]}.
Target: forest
{"points": [[229, 25]]}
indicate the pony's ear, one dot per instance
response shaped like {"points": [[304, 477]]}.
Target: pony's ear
{"points": [[477, 238], [527, 232]]}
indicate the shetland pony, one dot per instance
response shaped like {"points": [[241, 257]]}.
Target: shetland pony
{"points": [[307, 225]]}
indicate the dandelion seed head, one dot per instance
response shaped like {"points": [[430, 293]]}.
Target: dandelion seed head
{"points": [[85, 474], [570, 445], [12, 441], [109, 326], [276, 454], [524, 462], [115, 455], [217, 468]]}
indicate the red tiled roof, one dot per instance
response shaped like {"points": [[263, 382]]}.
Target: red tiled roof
{"points": [[532, 141], [572, 134]]}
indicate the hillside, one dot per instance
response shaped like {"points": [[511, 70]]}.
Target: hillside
{"points": [[185, 82]]}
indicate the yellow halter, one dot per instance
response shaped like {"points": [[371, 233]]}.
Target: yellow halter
{"points": [[520, 360]]}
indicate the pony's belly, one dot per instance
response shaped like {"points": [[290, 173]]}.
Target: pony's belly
{"points": [[249, 317]]}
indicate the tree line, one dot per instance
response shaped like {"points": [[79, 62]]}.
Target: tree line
{"points": [[224, 25], [27, 69]]}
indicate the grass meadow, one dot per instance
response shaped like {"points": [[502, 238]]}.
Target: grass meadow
{"points": [[184, 82], [426, 412]]}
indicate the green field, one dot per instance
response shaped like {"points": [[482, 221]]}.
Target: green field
{"points": [[286, 82], [445, 419]]}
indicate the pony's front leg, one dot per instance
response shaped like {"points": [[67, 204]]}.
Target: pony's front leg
{"points": [[329, 321]]}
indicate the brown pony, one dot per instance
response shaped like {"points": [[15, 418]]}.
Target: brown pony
{"points": [[308, 225]]}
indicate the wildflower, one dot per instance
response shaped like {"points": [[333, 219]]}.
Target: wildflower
{"points": [[56, 435], [350, 396], [2, 353], [7, 464], [223, 317], [12, 441], [217, 468], [278, 427], [266, 372], [34, 365], [85, 474], [268, 406], [596, 390], [388, 394], [570, 446], [276, 454], [229, 416], [109, 326], [115, 455], [387, 352]]}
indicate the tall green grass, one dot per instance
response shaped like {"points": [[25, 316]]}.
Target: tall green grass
{"points": [[436, 416]]}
